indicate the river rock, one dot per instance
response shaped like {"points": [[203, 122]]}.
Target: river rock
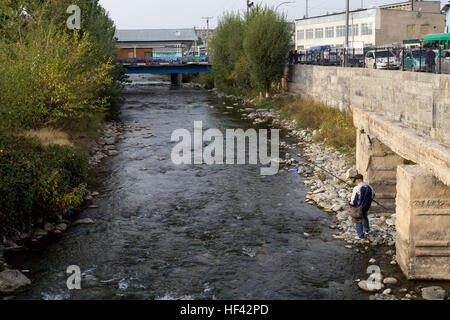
{"points": [[342, 216], [434, 293], [40, 233], [351, 173], [61, 227], [84, 221], [112, 153], [363, 286], [390, 280], [48, 227], [387, 291], [13, 282]]}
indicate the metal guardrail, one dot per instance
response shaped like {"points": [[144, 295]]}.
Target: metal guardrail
{"points": [[163, 61], [417, 59]]}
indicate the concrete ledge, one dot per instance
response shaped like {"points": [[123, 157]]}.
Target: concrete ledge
{"points": [[423, 240], [406, 142]]}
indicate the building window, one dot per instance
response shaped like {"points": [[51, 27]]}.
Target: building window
{"points": [[310, 34], [340, 31], [319, 33], [424, 28], [411, 29], [366, 29], [300, 34], [354, 31], [329, 32]]}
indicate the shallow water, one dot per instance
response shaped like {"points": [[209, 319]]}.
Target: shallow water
{"points": [[193, 231]]}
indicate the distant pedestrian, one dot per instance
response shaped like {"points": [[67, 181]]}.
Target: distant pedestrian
{"points": [[291, 57], [296, 57], [326, 55], [362, 196], [431, 60]]}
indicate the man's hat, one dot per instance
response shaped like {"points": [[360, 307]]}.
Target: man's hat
{"points": [[358, 177]]}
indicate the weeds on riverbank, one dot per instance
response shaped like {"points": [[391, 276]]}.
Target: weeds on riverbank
{"points": [[333, 127], [37, 182]]}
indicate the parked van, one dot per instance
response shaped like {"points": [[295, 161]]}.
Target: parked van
{"points": [[414, 60], [382, 59], [445, 62]]}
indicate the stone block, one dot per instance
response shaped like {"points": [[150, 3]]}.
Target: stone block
{"points": [[423, 224]]}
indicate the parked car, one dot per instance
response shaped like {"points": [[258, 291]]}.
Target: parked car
{"points": [[414, 60], [445, 62], [356, 60], [382, 59]]}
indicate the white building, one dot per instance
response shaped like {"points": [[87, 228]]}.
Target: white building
{"points": [[376, 26]]}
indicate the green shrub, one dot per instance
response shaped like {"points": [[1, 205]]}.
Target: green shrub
{"points": [[205, 78], [335, 128], [37, 181]]}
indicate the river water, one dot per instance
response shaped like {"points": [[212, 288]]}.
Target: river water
{"points": [[193, 231]]}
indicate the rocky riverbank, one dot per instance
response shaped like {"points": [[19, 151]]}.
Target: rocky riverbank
{"points": [[320, 165], [14, 281]]}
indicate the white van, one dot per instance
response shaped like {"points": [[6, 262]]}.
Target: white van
{"points": [[381, 59]]}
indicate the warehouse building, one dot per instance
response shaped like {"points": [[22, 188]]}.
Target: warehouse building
{"points": [[375, 26], [154, 43]]}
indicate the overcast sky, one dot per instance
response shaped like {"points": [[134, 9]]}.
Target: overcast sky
{"points": [[154, 14]]}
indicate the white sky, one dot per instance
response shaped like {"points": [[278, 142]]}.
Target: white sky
{"points": [[160, 14]]}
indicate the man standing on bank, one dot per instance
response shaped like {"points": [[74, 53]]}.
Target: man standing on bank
{"points": [[362, 196]]}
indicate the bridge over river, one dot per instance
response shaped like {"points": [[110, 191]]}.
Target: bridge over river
{"points": [[175, 69]]}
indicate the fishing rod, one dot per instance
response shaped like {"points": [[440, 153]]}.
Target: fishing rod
{"points": [[333, 175]]}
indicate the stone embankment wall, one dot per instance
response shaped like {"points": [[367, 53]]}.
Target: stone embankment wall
{"points": [[419, 100]]}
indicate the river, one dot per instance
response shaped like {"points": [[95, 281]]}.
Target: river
{"points": [[193, 231]]}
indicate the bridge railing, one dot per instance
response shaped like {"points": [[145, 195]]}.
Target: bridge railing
{"points": [[159, 61]]}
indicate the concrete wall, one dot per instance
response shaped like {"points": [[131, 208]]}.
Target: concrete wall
{"points": [[419, 100]]}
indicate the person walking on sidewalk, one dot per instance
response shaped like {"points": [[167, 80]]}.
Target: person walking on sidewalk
{"points": [[363, 195]]}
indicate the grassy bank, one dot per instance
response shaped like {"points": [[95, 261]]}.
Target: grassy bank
{"points": [[333, 127], [38, 183]]}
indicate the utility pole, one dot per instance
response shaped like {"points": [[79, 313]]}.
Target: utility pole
{"points": [[307, 9], [412, 5], [207, 27], [347, 22], [249, 5]]}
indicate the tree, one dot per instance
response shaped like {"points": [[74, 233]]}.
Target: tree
{"points": [[226, 47], [266, 43], [249, 51], [50, 75]]}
